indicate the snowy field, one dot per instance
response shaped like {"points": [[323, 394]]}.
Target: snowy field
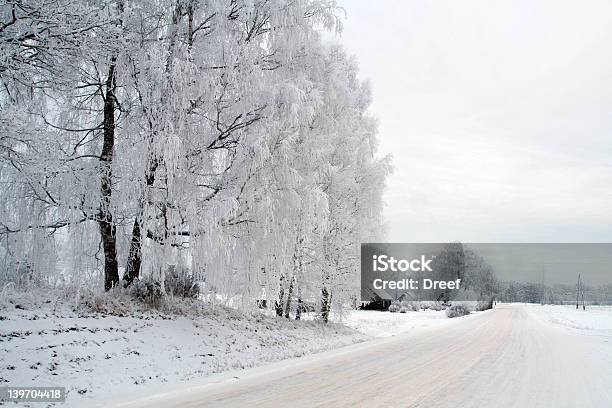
{"points": [[595, 320], [55, 343]]}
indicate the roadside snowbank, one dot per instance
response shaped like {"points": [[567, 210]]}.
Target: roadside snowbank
{"points": [[53, 342], [384, 324], [595, 320]]}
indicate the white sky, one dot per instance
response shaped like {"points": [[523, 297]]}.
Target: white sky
{"points": [[498, 115]]}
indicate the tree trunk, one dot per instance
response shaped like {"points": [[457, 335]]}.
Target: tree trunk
{"points": [[278, 305], [325, 304], [289, 295], [132, 270], [298, 310], [105, 221], [134, 262], [297, 271]]}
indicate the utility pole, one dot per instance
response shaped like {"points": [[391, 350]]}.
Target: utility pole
{"points": [[543, 290], [578, 293], [583, 305]]}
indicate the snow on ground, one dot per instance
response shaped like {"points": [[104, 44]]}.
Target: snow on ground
{"points": [[103, 343], [595, 320], [47, 341], [384, 324], [501, 358]]}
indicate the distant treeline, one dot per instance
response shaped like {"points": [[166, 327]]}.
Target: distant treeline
{"points": [[525, 292]]}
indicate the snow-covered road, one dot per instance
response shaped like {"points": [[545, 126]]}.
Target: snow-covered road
{"points": [[507, 357]]}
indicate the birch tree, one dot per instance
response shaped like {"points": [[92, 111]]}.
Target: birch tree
{"points": [[224, 135]]}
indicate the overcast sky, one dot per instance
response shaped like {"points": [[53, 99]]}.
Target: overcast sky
{"points": [[498, 115]]}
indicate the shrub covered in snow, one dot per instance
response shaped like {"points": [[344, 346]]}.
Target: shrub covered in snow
{"points": [[148, 291], [457, 311], [178, 284], [484, 305], [395, 307], [181, 282], [409, 306], [432, 305], [405, 307]]}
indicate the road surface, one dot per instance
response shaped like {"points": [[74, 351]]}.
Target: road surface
{"points": [[505, 357]]}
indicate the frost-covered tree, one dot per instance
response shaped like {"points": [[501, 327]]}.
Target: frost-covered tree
{"points": [[480, 277], [225, 136], [57, 74]]}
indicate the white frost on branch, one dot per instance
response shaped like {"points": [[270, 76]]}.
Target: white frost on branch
{"points": [[241, 147]]}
